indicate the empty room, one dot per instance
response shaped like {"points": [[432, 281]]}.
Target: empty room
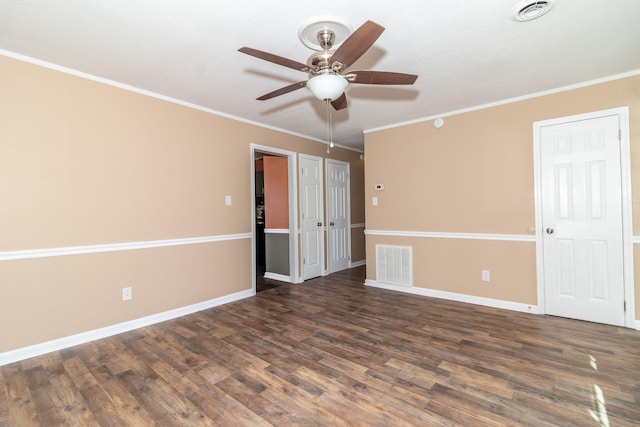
{"points": [[338, 213]]}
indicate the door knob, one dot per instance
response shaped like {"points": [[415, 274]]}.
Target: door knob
{"points": [[319, 224], [331, 224], [549, 230]]}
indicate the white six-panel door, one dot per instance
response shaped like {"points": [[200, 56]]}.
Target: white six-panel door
{"points": [[338, 219], [311, 213], [582, 220]]}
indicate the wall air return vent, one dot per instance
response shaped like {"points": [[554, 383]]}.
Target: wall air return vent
{"points": [[394, 265]]}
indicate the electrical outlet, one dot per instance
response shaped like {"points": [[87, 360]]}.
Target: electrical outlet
{"points": [[486, 276], [127, 293]]}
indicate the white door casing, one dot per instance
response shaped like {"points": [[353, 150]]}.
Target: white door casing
{"points": [[312, 216], [293, 208], [583, 218], [338, 215]]}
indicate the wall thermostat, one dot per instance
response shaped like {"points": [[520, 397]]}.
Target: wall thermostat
{"points": [[379, 187]]}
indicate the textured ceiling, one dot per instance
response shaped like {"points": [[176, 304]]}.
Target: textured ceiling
{"points": [[466, 53]]}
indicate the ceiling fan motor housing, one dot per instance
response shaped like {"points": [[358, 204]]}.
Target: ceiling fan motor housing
{"points": [[320, 61]]}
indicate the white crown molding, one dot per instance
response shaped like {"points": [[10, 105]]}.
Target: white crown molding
{"points": [[114, 247], [144, 92], [84, 337], [470, 299], [444, 235], [632, 73]]}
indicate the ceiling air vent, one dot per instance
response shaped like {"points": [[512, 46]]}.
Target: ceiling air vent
{"points": [[529, 10]]}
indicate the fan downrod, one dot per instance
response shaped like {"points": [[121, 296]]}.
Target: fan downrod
{"points": [[326, 38]]}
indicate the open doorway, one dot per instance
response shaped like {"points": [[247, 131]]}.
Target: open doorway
{"points": [[274, 217]]}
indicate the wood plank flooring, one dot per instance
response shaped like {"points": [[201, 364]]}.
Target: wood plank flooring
{"points": [[332, 352]]}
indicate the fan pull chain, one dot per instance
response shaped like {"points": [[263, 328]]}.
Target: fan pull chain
{"points": [[329, 127], [329, 130]]}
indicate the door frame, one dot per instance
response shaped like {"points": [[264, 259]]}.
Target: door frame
{"points": [[627, 210], [293, 209], [322, 184], [326, 214]]}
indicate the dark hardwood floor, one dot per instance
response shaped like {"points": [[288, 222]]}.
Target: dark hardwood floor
{"points": [[263, 284], [332, 352]]}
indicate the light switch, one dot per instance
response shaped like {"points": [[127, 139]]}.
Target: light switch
{"points": [[375, 201], [227, 200]]}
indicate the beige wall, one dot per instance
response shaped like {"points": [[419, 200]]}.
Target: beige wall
{"points": [[83, 163], [475, 175]]}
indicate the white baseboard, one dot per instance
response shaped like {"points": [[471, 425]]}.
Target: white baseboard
{"points": [[638, 325], [70, 341], [351, 265], [279, 277], [84, 337], [488, 302]]}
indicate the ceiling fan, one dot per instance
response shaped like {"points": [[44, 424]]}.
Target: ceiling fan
{"points": [[327, 68]]}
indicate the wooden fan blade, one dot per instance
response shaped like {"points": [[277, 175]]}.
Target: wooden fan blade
{"points": [[357, 43], [340, 103], [290, 63], [282, 91], [381, 78]]}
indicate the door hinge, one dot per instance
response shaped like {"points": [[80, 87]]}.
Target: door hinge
{"points": [[625, 306], [619, 135], [304, 260]]}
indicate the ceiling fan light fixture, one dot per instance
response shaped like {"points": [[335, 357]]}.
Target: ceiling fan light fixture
{"points": [[327, 86]]}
